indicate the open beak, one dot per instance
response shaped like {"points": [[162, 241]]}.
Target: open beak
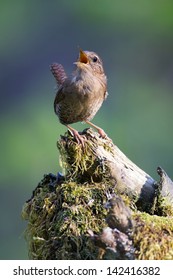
{"points": [[83, 57]]}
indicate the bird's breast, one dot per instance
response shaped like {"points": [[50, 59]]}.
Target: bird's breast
{"points": [[81, 101]]}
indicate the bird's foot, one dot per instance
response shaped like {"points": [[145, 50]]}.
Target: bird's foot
{"points": [[100, 130], [80, 139], [102, 133]]}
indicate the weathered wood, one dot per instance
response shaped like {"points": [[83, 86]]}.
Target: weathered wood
{"points": [[127, 176], [165, 184]]}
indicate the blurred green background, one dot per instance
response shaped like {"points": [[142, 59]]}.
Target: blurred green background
{"points": [[135, 41]]}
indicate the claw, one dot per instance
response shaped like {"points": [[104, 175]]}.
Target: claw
{"points": [[102, 133], [100, 130], [79, 138]]}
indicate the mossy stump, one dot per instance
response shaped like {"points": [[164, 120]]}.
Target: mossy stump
{"points": [[65, 208]]}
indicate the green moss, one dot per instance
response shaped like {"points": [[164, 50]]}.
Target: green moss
{"points": [[164, 206], [153, 237], [82, 164], [62, 210], [61, 218]]}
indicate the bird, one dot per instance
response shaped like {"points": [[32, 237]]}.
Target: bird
{"points": [[80, 95]]}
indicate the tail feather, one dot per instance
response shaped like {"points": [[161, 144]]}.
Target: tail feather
{"points": [[58, 72]]}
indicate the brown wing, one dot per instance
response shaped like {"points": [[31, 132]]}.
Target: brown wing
{"points": [[58, 72], [59, 97]]}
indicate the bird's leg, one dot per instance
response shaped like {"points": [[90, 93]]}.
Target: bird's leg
{"points": [[77, 136], [100, 131]]}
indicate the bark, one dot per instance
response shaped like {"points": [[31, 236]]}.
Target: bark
{"points": [[128, 178], [91, 209]]}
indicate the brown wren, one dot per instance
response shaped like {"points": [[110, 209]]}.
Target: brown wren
{"points": [[81, 95]]}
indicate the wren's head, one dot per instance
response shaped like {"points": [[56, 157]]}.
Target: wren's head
{"points": [[89, 61]]}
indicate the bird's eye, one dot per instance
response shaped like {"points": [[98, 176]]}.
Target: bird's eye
{"points": [[95, 59]]}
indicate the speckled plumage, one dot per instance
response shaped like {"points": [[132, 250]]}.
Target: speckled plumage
{"points": [[80, 96]]}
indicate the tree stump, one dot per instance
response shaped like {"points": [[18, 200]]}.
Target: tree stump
{"points": [[67, 213]]}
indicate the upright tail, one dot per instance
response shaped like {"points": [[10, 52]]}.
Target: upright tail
{"points": [[58, 72]]}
